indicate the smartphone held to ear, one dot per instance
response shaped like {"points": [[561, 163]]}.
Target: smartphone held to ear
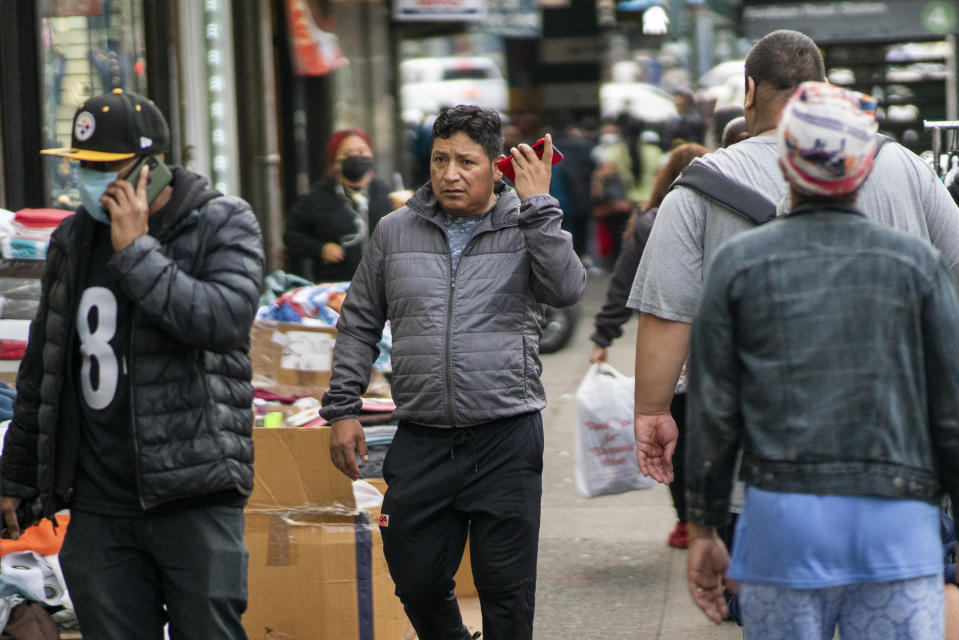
{"points": [[158, 177], [506, 164]]}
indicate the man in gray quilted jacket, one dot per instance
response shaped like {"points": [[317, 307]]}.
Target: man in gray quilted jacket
{"points": [[461, 273]]}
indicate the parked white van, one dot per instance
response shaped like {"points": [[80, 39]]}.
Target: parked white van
{"points": [[429, 84]]}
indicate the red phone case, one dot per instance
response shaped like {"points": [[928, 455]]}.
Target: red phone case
{"points": [[506, 164]]}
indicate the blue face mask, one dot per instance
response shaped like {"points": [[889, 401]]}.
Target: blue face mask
{"points": [[92, 186]]}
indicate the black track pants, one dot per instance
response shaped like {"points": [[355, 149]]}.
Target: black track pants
{"points": [[442, 483]]}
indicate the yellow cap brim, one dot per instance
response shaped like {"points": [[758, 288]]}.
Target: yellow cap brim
{"points": [[86, 154]]}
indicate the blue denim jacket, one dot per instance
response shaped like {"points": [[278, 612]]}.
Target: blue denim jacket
{"points": [[827, 346]]}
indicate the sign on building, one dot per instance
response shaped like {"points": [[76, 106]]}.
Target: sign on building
{"points": [[852, 20], [439, 10]]}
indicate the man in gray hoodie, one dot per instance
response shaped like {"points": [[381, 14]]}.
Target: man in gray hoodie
{"points": [[461, 272]]}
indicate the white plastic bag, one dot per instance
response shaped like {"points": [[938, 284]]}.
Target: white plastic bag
{"points": [[605, 447]]}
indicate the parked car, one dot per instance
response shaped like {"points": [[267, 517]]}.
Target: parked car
{"points": [[430, 84]]}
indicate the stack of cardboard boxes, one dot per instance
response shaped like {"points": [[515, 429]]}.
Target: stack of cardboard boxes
{"points": [[316, 561], [291, 359]]}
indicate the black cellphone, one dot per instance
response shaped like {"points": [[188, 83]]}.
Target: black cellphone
{"points": [[159, 176]]}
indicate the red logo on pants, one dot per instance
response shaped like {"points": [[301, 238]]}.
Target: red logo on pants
{"points": [[384, 520]]}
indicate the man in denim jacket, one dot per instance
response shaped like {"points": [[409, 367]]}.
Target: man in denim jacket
{"points": [[825, 347]]}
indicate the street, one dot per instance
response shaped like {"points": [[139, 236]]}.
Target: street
{"points": [[605, 570]]}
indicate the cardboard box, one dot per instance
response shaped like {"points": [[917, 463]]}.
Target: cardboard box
{"points": [[465, 587], [291, 359], [317, 568], [319, 575], [292, 470]]}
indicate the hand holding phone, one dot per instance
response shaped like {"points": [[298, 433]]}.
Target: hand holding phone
{"points": [[506, 164], [128, 201]]}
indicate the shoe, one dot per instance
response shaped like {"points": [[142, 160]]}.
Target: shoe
{"points": [[679, 536]]}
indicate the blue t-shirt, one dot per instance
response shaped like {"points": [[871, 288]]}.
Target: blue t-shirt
{"points": [[806, 541]]}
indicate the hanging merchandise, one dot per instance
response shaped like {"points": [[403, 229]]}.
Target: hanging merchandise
{"points": [[315, 50]]}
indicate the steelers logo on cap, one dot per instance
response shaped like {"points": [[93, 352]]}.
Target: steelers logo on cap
{"points": [[84, 126]]}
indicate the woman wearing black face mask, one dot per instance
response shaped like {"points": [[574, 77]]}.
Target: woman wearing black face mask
{"points": [[328, 228]]}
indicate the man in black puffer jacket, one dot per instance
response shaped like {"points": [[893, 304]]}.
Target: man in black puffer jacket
{"points": [[134, 398]]}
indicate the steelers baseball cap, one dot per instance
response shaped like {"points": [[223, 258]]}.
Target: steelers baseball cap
{"points": [[115, 126]]}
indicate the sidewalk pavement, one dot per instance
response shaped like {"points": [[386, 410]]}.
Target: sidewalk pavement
{"points": [[605, 570]]}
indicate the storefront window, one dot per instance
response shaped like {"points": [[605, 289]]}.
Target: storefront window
{"points": [[88, 47], [205, 62]]}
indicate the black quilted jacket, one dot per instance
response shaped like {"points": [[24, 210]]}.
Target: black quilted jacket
{"points": [[194, 282]]}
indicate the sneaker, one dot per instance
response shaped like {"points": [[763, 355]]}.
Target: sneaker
{"points": [[592, 268], [679, 536]]}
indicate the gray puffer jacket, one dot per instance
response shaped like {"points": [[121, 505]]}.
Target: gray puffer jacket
{"points": [[194, 282], [465, 344]]}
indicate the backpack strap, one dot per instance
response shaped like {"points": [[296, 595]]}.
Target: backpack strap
{"points": [[881, 139], [727, 192], [733, 195]]}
